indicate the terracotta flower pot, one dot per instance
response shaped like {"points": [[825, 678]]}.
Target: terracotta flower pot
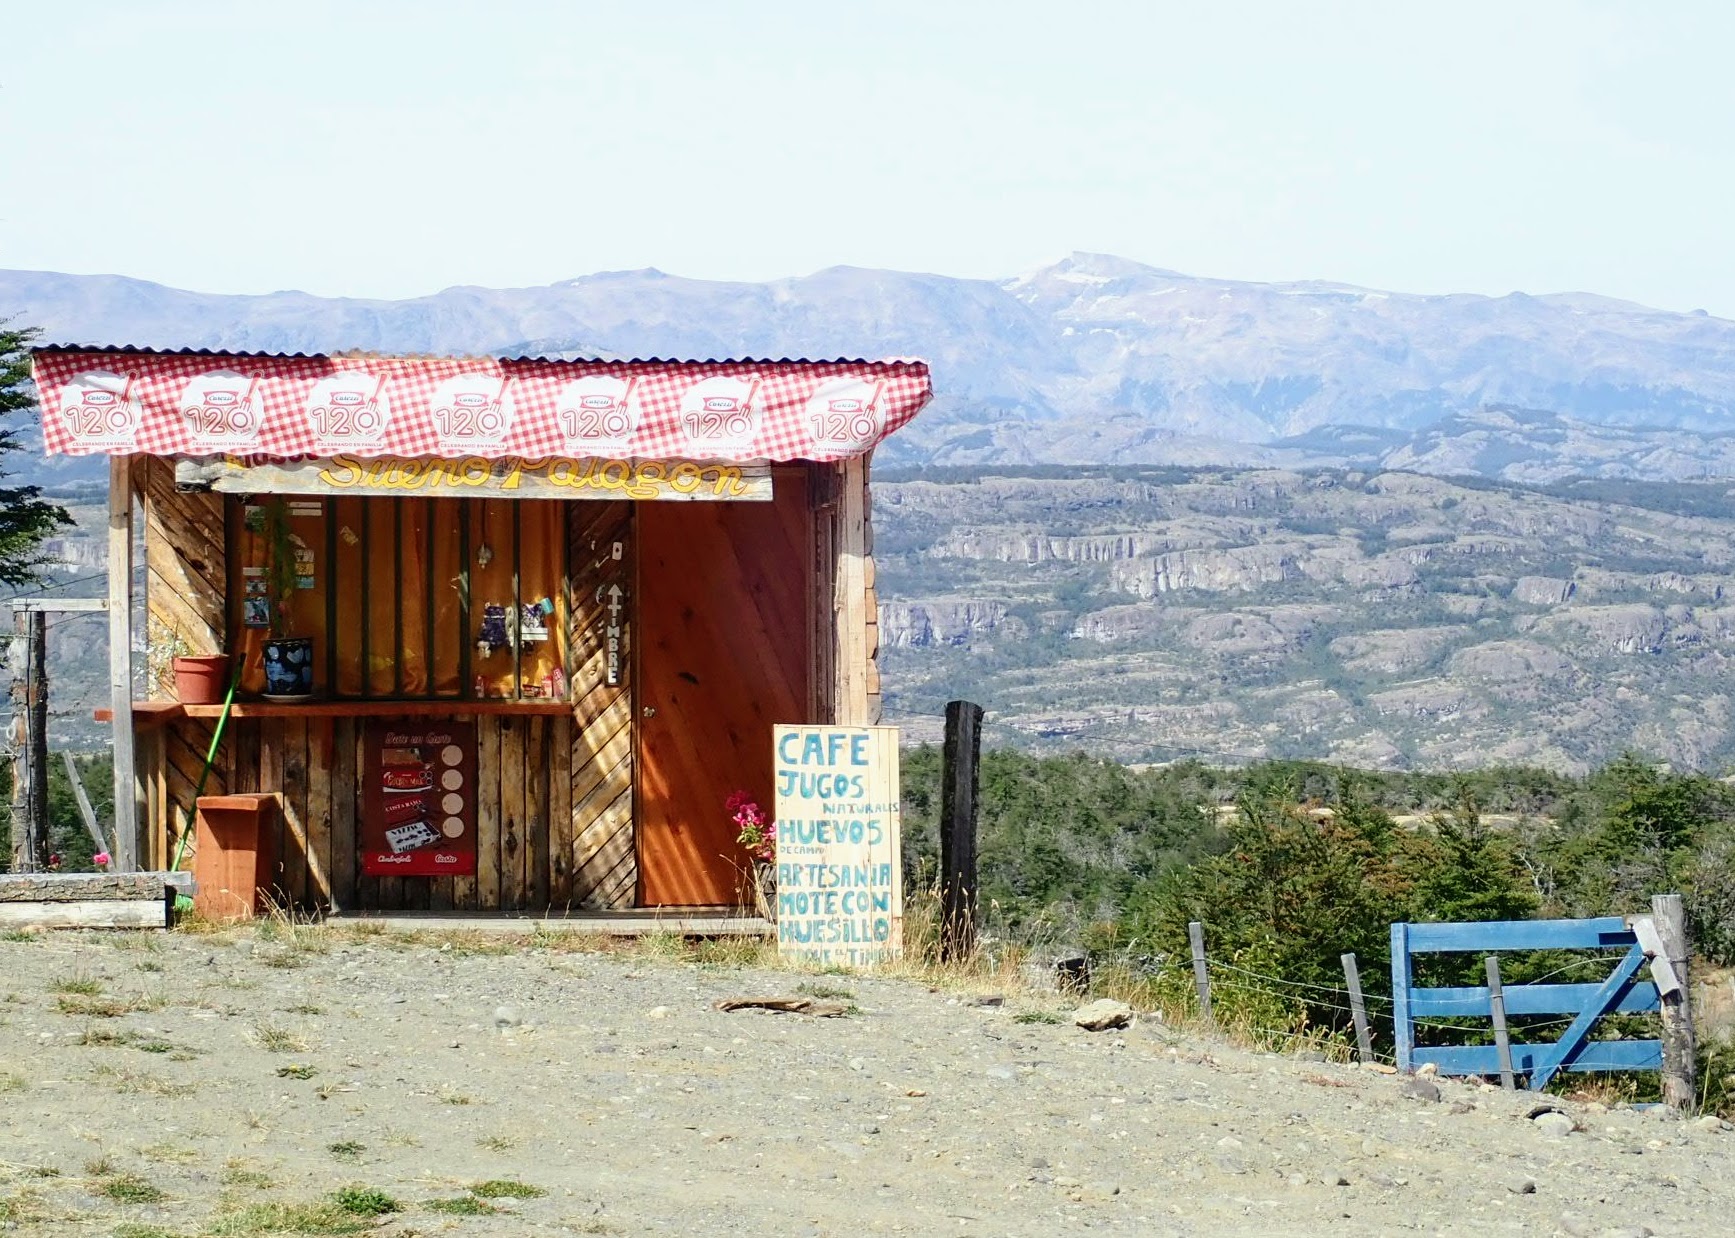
{"points": [[202, 679]]}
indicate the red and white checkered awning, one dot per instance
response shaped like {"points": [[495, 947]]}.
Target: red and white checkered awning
{"points": [[119, 401]]}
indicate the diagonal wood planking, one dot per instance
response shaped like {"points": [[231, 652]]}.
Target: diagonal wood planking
{"points": [[596, 863]]}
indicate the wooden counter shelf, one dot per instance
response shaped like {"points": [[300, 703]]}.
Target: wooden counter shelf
{"points": [[160, 713]]}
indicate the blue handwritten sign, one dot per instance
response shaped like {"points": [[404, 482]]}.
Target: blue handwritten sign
{"points": [[840, 896]]}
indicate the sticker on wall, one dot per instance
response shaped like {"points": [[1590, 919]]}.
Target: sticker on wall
{"points": [[349, 411], [472, 413], [101, 409], [598, 414], [717, 415], [846, 413], [222, 411]]}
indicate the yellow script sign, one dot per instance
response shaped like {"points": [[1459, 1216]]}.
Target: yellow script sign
{"points": [[551, 477]]}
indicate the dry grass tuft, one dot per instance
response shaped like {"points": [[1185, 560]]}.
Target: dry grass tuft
{"points": [[81, 984], [279, 1038]]}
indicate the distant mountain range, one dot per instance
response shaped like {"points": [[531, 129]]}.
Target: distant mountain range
{"points": [[1091, 360]]}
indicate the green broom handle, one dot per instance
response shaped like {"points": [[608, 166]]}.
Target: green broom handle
{"points": [[210, 759]]}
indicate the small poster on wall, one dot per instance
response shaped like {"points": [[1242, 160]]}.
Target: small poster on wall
{"points": [[419, 806]]}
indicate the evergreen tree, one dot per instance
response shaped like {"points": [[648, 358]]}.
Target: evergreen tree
{"points": [[25, 516], [1467, 871]]}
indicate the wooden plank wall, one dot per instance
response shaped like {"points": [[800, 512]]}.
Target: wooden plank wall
{"points": [[184, 576], [185, 568], [315, 765], [594, 849]]}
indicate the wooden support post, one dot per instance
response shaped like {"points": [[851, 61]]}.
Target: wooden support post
{"points": [[1201, 977], [36, 735], [849, 599], [17, 733], [120, 661], [1679, 1063], [1497, 1009], [1357, 1008], [958, 787], [84, 808]]}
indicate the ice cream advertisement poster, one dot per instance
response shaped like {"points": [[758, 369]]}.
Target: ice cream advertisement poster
{"points": [[419, 812], [839, 872]]}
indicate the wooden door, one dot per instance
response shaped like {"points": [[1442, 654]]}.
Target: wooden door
{"points": [[724, 654]]}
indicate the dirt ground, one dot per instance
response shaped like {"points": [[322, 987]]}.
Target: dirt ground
{"points": [[234, 1084]]}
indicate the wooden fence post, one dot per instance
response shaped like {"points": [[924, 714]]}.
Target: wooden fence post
{"points": [[958, 788], [1357, 1008], [1679, 1064], [84, 808], [1201, 977], [1497, 1008], [36, 733], [23, 850]]}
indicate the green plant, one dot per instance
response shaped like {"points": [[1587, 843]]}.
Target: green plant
{"points": [[1036, 1016], [275, 1038], [346, 1149], [237, 1173], [86, 986], [272, 523], [812, 989], [299, 1071], [318, 1220], [506, 1188], [365, 1201], [131, 1189], [461, 1206], [130, 1229]]}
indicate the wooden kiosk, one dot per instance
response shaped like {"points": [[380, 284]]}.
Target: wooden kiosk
{"points": [[555, 608]]}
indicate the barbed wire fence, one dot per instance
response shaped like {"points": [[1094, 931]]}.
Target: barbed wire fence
{"points": [[1216, 977]]}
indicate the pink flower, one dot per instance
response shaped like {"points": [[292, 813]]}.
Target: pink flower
{"points": [[100, 859], [757, 837]]}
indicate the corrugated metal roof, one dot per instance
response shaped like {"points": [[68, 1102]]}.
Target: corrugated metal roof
{"points": [[593, 359]]}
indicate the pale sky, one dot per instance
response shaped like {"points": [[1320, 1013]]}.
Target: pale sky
{"points": [[392, 149]]}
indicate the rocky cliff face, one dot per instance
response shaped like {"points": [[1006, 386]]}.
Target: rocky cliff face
{"points": [[922, 625], [1381, 618]]}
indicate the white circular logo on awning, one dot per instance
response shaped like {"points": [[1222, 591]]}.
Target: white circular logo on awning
{"points": [[718, 415], [846, 413], [102, 409], [472, 412], [598, 414], [349, 410], [222, 410]]}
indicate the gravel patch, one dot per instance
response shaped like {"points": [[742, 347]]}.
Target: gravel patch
{"points": [[614, 1097]]}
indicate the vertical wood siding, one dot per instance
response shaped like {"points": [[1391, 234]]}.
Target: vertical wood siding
{"points": [[724, 628]]}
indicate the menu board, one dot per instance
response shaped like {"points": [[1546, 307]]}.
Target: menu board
{"points": [[419, 801], [839, 864]]}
